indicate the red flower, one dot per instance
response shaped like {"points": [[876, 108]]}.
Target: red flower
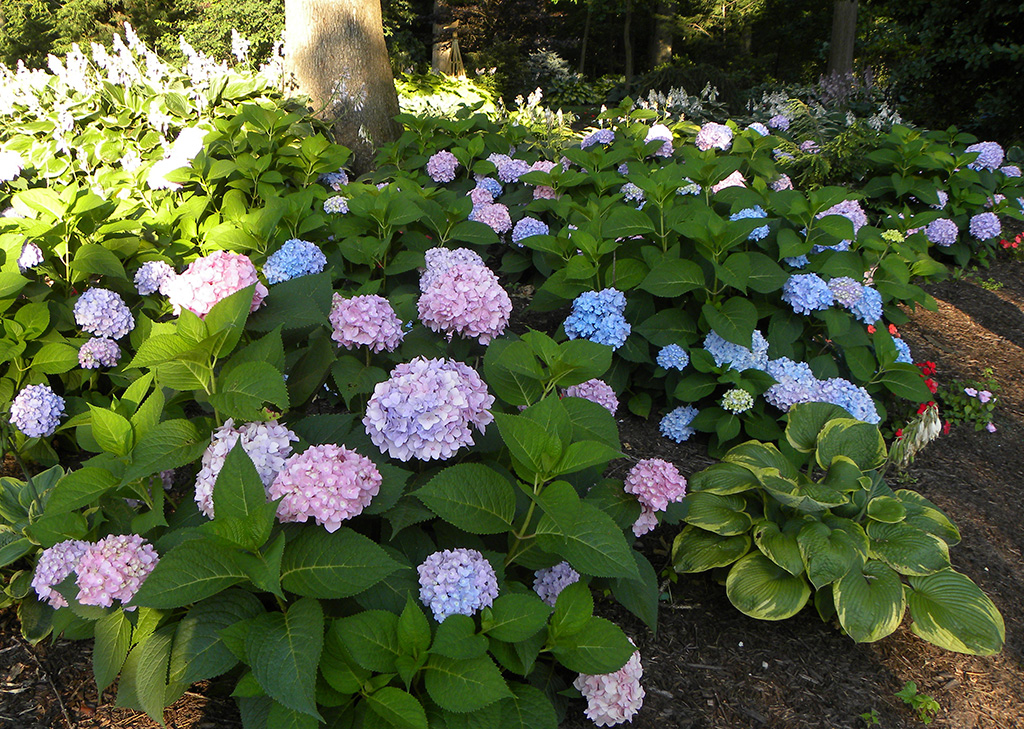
{"points": [[930, 384], [927, 368], [899, 433], [871, 328], [945, 428], [893, 330], [924, 406]]}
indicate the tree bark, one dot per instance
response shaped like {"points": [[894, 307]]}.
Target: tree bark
{"points": [[627, 44], [335, 51], [844, 34], [660, 48], [586, 35]]}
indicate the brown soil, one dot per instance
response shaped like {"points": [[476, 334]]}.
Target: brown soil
{"points": [[710, 666]]}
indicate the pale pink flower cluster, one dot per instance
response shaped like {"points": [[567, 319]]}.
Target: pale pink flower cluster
{"points": [[656, 484], [613, 698], [712, 135], [268, 445], [54, 566], [543, 192], [494, 215], [439, 260], [661, 133], [211, 278], [597, 391], [466, 300], [367, 320], [441, 166], [113, 569], [328, 482], [426, 409], [734, 180]]}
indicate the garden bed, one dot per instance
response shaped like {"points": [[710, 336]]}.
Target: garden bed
{"points": [[709, 665]]}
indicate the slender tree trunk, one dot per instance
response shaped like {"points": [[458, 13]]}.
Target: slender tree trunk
{"points": [[627, 44], [441, 51], [844, 34], [660, 48], [335, 50], [586, 35]]}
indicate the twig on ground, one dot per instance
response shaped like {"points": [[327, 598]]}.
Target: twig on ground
{"points": [[46, 675]]}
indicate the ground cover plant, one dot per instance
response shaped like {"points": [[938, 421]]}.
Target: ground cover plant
{"points": [[415, 525]]}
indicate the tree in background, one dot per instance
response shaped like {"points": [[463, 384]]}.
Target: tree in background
{"points": [[844, 35]]}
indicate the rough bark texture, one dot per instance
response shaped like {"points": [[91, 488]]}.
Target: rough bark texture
{"points": [[335, 50], [660, 48], [844, 33]]}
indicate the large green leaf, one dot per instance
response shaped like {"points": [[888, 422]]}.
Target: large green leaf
{"points": [[464, 685], [242, 392], [734, 320], [860, 442], [198, 651], [514, 617], [472, 497], [697, 550], [169, 444], [371, 637], [907, 549], [755, 456], [806, 421], [673, 278], [723, 479], [284, 650], [724, 515], [949, 610], [927, 517], [780, 545], [528, 708], [79, 488], [758, 587], [143, 684], [869, 601], [805, 496], [333, 565], [189, 572], [398, 708], [828, 554], [600, 647], [113, 634]]}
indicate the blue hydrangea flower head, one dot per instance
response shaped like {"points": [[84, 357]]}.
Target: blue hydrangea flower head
{"points": [[807, 292], [673, 357], [855, 400], [985, 225], [336, 205], [103, 313], [846, 291], [632, 193], [528, 227], [795, 383], [601, 136], [729, 355], [36, 411], [676, 424], [760, 129], [456, 582], [295, 258], [490, 184], [869, 309], [990, 156], [797, 261], [902, 351], [598, 316], [754, 212]]}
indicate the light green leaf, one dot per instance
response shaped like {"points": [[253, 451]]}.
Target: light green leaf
{"points": [[169, 444], [113, 432], [697, 550], [55, 358], [950, 611], [860, 442], [723, 515], [79, 488]]}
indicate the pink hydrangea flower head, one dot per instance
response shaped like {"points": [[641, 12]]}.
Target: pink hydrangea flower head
{"points": [[468, 301], [549, 582], [661, 133], [329, 483], [441, 166], [736, 179], [597, 391], [368, 321], [493, 214], [714, 136], [457, 582], [480, 196], [439, 260], [782, 182], [655, 483], [113, 569], [268, 445], [426, 409], [54, 566], [613, 698], [646, 522], [211, 278]]}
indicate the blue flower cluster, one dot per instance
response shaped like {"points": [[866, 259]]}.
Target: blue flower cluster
{"points": [[457, 582], [673, 357], [797, 261], [985, 225], [598, 316], [103, 313], [760, 129], [796, 383], [942, 232], [676, 424], [754, 212], [36, 411], [847, 291], [728, 355], [295, 258], [151, 276], [528, 227], [853, 399], [807, 292], [490, 184], [869, 309], [902, 351]]}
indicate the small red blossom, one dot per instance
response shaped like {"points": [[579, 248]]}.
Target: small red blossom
{"points": [[893, 330], [927, 368], [871, 328], [930, 384], [899, 433], [945, 428], [924, 406]]}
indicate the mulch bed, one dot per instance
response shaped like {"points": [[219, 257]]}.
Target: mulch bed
{"points": [[709, 666]]}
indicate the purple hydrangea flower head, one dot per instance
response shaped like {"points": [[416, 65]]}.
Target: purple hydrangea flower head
{"points": [[779, 121], [971, 391], [293, 259], [114, 568], [99, 352], [755, 212], [426, 409], [103, 313], [737, 400], [439, 260], [457, 582], [334, 180], [211, 278], [847, 291], [797, 261], [336, 205], [984, 396], [943, 199], [990, 156], [673, 357], [54, 566], [807, 292], [467, 300], [490, 184], [728, 355], [598, 316], [795, 383], [676, 424], [868, 309], [548, 582], [329, 483], [736, 179], [809, 146], [782, 182], [1010, 170], [30, 257], [661, 133], [494, 214], [903, 351], [985, 225], [601, 136], [441, 166], [528, 227], [632, 193], [990, 427], [714, 136], [509, 168], [267, 444], [11, 165], [36, 411], [760, 129], [942, 232], [655, 483], [480, 196], [852, 398], [151, 276], [613, 698], [597, 391], [849, 209], [365, 321]]}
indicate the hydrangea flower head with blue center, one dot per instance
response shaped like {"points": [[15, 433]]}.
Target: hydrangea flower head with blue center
{"points": [[847, 291], [598, 316], [868, 309], [528, 227], [99, 352], [151, 276], [104, 314], [676, 424], [456, 582], [549, 582], [334, 180], [990, 156], [336, 205], [730, 355], [807, 292], [490, 184], [673, 357], [441, 166], [714, 136], [295, 258], [755, 212], [985, 225], [797, 261]]}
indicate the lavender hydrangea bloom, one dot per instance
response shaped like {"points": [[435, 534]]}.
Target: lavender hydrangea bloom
{"points": [[712, 135], [597, 391], [336, 205], [36, 411], [942, 232], [852, 398], [903, 351], [734, 356], [779, 121], [31, 256], [660, 133], [990, 156], [755, 212], [441, 166], [151, 276], [456, 582], [868, 309], [1010, 170], [468, 301], [54, 566], [847, 291], [849, 209], [99, 352], [809, 146], [293, 259], [439, 260], [114, 569], [782, 182], [673, 357], [760, 129], [807, 292], [795, 383], [334, 180], [549, 582], [103, 313], [632, 193], [613, 698], [985, 225], [494, 214], [509, 168], [480, 196], [426, 408], [528, 227], [676, 424], [597, 316], [797, 261], [367, 320], [601, 136]]}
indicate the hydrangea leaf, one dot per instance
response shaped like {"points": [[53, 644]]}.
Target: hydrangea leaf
{"points": [[198, 652], [464, 685], [320, 564], [472, 497], [283, 651]]}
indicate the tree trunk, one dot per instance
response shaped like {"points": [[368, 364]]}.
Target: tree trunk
{"points": [[586, 35], [660, 48], [441, 50], [335, 50], [627, 44], [844, 33]]}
